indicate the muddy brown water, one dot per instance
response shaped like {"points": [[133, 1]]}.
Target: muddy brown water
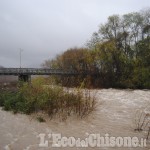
{"points": [[115, 115]]}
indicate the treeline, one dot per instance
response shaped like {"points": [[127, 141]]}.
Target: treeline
{"points": [[117, 55]]}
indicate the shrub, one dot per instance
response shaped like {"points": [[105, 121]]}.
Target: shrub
{"points": [[51, 99], [40, 119], [142, 121]]}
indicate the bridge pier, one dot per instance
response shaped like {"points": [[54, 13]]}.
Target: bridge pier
{"points": [[24, 78]]}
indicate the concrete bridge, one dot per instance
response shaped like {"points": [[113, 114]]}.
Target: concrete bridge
{"points": [[24, 74]]}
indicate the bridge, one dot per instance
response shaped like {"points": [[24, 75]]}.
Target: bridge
{"points": [[24, 74]]}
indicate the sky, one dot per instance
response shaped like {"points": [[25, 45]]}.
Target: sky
{"points": [[45, 28]]}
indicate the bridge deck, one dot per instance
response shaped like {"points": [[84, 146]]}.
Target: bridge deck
{"points": [[34, 71]]}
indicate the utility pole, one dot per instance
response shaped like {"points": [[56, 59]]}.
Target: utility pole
{"points": [[21, 50]]}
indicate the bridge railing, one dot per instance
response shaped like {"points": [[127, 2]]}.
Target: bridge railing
{"points": [[33, 71]]}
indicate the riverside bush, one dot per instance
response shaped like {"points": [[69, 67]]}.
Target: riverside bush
{"points": [[50, 99]]}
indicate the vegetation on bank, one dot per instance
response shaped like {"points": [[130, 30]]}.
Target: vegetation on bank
{"points": [[55, 101], [117, 55]]}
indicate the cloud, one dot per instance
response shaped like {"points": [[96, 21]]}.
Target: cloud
{"points": [[44, 28]]}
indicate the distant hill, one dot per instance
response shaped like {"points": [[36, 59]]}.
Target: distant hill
{"points": [[7, 78], [1, 66]]}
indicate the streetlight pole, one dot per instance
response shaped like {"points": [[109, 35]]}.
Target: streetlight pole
{"points": [[21, 50]]}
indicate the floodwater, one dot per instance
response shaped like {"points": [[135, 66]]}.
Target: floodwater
{"points": [[115, 115]]}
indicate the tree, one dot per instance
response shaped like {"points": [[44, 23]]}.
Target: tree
{"points": [[117, 55]]}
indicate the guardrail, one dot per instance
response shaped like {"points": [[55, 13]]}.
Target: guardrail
{"points": [[35, 71]]}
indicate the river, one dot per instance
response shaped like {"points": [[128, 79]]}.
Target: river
{"points": [[114, 116]]}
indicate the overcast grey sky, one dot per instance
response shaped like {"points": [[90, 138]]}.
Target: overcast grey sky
{"points": [[44, 28]]}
